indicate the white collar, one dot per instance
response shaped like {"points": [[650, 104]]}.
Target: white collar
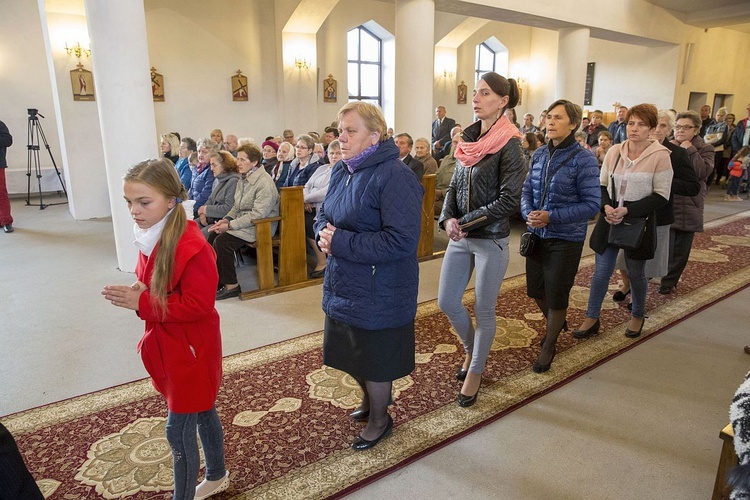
{"points": [[146, 239]]}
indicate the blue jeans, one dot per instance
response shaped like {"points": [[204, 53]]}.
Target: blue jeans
{"points": [[605, 266], [490, 257], [186, 459]]}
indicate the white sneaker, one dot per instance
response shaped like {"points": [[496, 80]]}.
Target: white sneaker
{"points": [[209, 488]]}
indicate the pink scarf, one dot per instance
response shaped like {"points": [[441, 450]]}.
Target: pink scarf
{"points": [[469, 153]]}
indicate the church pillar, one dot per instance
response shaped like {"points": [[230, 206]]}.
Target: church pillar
{"points": [[415, 45], [572, 54], [120, 63]]}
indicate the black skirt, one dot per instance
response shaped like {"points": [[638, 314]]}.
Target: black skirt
{"points": [[376, 355]]}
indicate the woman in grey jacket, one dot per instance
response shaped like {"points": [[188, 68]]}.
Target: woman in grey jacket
{"points": [[224, 167], [255, 198], [484, 192]]}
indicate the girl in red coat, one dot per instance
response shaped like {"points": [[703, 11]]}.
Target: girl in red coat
{"points": [[181, 348]]}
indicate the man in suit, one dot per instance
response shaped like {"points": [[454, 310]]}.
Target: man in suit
{"points": [[438, 155], [405, 143], [441, 130]]}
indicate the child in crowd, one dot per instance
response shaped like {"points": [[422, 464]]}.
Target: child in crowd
{"points": [[193, 161], [605, 142], [737, 171], [181, 347]]}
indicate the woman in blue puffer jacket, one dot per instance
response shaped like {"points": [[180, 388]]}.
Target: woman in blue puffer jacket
{"points": [[369, 227], [560, 195]]}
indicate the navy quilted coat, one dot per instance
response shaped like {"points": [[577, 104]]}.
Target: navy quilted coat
{"points": [[574, 195], [372, 274]]}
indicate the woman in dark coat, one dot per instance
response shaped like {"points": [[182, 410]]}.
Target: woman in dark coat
{"points": [[369, 226], [560, 195], [484, 192], [688, 210]]}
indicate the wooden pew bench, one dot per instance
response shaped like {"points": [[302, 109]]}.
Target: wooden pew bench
{"points": [[289, 241]]}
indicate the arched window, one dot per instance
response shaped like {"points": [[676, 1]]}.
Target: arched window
{"points": [[365, 68], [485, 60], [491, 56]]}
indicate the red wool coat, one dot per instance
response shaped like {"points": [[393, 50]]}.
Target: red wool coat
{"points": [[182, 351]]}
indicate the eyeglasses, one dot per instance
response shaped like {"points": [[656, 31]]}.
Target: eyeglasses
{"points": [[684, 127]]}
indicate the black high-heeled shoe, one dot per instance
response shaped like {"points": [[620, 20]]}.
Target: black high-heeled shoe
{"points": [[465, 401], [540, 368], [632, 334], [583, 334], [360, 415], [461, 374], [619, 295], [361, 443]]}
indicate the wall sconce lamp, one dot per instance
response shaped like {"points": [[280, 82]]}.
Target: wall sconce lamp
{"points": [[77, 50], [520, 80], [448, 73], [301, 63]]}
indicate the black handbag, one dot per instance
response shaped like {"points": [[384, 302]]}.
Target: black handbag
{"points": [[628, 234], [528, 240]]}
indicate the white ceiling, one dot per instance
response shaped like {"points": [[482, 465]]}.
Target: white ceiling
{"points": [[730, 14]]}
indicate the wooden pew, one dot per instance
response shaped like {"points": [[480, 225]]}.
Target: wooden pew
{"points": [[424, 249], [289, 239], [727, 460]]}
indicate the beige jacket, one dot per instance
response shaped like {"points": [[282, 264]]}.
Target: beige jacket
{"points": [[256, 197]]}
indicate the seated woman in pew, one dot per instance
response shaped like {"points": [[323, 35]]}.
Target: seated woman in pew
{"points": [[224, 167], [256, 197], [305, 162], [315, 192], [284, 157]]}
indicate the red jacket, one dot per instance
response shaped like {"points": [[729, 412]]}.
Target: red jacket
{"points": [[182, 351]]}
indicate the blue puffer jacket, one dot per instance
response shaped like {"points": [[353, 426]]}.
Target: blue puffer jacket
{"points": [[372, 275], [574, 195]]}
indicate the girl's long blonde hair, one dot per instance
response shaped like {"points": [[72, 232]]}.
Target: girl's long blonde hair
{"points": [[161, 176]]}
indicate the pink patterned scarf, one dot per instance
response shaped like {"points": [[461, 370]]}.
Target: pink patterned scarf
{"points": [[469, 153]]}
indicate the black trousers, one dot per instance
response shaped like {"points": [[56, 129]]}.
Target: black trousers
{"points": [[225, 245], [16, 483], [680, 244]]}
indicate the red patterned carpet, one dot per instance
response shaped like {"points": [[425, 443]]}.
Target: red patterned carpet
{"points": [[284, 414]]}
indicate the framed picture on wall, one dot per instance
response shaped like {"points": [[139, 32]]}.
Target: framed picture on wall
{"points": [[239, 87], [82, 81], [157, 85], [462, 90], [330, 89]]}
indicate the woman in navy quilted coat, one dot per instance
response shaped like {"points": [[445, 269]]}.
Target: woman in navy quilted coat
{"points": [[369, 227]]}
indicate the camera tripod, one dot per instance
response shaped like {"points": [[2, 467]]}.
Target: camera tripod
{"points": [[34, 133]]}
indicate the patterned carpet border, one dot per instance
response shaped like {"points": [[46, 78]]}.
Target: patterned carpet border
{"points": [[342, 470]]}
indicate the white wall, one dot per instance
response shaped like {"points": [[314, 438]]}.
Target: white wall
{"points": [[720, 65], [82, 156], [24, 83], [648, 78], [198, 46]]}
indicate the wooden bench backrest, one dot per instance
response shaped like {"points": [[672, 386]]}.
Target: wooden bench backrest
{"points": [[428, 219], [290, 240]]}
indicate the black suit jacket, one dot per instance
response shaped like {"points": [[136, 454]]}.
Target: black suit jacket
{"points": [[442, 132], [415, 165]]}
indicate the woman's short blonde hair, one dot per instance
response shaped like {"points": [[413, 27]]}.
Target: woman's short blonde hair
{"points": [[371, 115], [173, 141]]}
